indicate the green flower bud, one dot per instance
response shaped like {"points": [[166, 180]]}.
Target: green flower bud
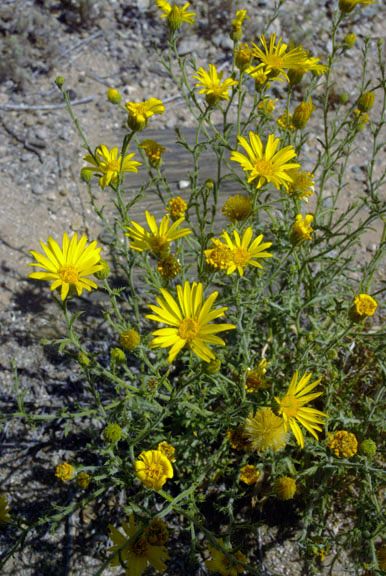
{"points": [[59, 81], [86, 175], [366, 101], [344, 97], [112, 433], [129, 339], [104, 272], [213, 366], [367, 447], [114, 96], [118, 356], [349, 41], [83, 359]]}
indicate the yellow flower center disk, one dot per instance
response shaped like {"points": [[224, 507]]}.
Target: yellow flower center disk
{"points": [[114, 166], [188, 329], [240, 257], [264, 167], [140, 547], [69, 274], [159, 244], [275, 61], [289, 406]]}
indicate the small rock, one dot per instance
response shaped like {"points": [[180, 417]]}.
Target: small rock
{"points": [[37, 188], [183, 184], [372, 247]]}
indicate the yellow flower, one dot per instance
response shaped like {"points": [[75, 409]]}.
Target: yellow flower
{"points": [[153, 468], [64, 471], [168, 450], [255, 378], [137, 553], [238, 439], [285, 488], [157, 533], [302, 114], [292, 409], [4, 510], [107, 165], [286, 121], [237, 208], [243, 56], [296, 74], [269, 165], [275, 56], [68, 266], [175, 16], [343, 444], [169, 267], [177, 208], [265, 430], [366, 101], [237, 23], [267, 105], [212, 85], [190, 319], [158, 239], [302, 185], [140, 112], [114, 96], [301, 229], [244, 253], [347, 6], [349, 41], [83, 480], [249, 475], [364, 305], [153, 151], [226, 565], [220, 256], [129, 339]]}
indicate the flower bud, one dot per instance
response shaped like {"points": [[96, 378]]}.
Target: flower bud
{"points": [[295, 75], [59, 81], [366, 101], [83, 480], [86, 175], [117, 356], [104, 272], [129, 339], [213, 366], [114, 96], [367, 447], [285, 488], [302, 114], [112, 433], [349, 41], [83, 359]]}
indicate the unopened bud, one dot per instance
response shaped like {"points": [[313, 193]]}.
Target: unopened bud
{"points": [[366, 101], [114, 96]]}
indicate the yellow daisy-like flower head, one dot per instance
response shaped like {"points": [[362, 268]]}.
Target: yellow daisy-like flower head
{"points": [[269, 165], [212, 85], [219, 256], [136, 554], [64, 472], [191, 321], [343, 444], [265, 431], [159, 238], [311, 64], [302, 185], [237, 208], [153, 151], [301, 229], [243, 57], [177, 208], [276, 57], [364, 305], [293, 410], [174, 15], [153, 468], [285, 488], [140, 112], [68, 266], [347, 6], [237, 24], [107, 164], [243, 252], [223, 564], [4, 510], [249, 474]]}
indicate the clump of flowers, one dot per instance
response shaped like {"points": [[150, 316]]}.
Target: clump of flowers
{"points": [[265, 431], [269, 165], [255, 380], [129, 339], [249, 474], [108, 164], [159, 238], [64, 471], [225, 564], [293, 410], [69, 266], [140, 112], [177, 208], [237, 208], [175, 15], [191, 321], [301, 229], [343, 444], [285, 488], [135, 552], [212, 85], [153, 468]]}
